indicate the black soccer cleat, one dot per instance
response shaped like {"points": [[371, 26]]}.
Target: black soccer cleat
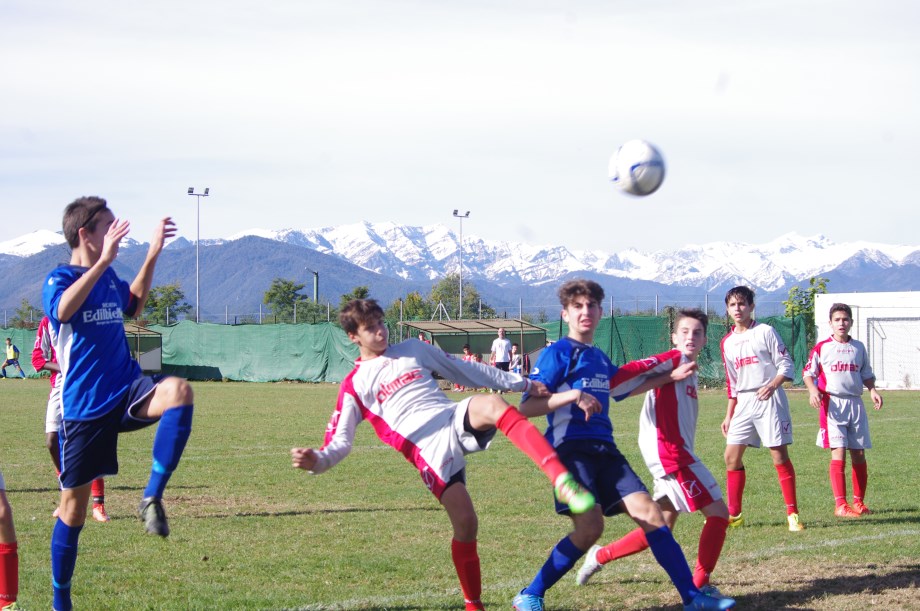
{"points": [[154, 518]]}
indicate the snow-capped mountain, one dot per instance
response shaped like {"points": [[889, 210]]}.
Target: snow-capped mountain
{"points": [[430, 252]]}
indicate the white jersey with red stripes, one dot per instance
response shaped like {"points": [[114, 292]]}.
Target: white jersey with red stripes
{"points": [[753, 358], [397, 394], [43, 350], [839, 368], [667, 422]]}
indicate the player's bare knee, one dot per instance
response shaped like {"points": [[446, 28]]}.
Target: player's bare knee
{"points": [[176, 391], [588, 528]]}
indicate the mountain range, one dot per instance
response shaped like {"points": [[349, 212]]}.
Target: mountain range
{"points": [[393, 260]]}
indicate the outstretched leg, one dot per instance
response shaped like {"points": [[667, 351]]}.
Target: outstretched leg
{"points": [[456, 500]]}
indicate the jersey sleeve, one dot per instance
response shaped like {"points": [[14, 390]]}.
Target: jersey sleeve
{"points": [[340, 432], [865, 370], [812, 367], [55, 284], [468, 373], [630, 376], [550, 368], [731, 372], [41, 352], [781, 358]]}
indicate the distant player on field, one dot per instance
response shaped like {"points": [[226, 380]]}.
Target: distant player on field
{"points": [[683, 484], [756, 365], [104, 392], [44, 359], [580, 429], [12, 359], [835, 374], [392, 388]]}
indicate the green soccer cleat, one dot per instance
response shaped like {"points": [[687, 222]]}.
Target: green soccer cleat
{"points": [[569, 491], [795, 525], [735, 521]]}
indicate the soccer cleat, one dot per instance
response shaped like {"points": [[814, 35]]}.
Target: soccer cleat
{"points": [[795, 525], [590, 567], [11, 607], [154, 518], [568, 491], [527, 602], [99, 513], [736, 521], [845, 511], [705, 602], [860, 508], [711, 591]]}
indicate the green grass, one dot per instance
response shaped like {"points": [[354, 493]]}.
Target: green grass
{"points": [[248, 531]]}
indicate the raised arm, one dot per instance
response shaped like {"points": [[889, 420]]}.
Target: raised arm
{"points": [[143, 282], [73, 297]]}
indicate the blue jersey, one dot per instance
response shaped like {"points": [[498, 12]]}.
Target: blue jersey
{"points": [[91, 347], [569, 364]]}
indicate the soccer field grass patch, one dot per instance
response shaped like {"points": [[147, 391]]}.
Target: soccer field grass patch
{"points": [[248, 531]]}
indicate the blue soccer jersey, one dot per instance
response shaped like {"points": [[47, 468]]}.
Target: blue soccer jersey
{"points": [[569, 364], [91, 347]]}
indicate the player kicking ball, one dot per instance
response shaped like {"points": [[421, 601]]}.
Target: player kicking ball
{"points": [[835, 374], [683, 484], [756, 365], [392, 387], [579, 427]]}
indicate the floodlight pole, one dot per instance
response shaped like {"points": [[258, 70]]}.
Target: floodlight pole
{"points": [[191, 191], [461, 217], [315, 283]]}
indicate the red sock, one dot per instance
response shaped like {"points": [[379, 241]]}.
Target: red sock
{"points": [[734, 489], [631, 543], [860, 480], [466, 561], [786, 474], [98, 491], [711, 540], [9, 573], [838, 482], [528, 439]]}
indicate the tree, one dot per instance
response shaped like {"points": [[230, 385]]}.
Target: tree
{"points": [[447, 291], [414, 307], [801, 302], [26, 316], [166, 303], [359, 292], [282, 297]]}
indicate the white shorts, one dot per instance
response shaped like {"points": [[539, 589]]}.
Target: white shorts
{"points": [[441, 456], [755, 422], [846, 424], [689, 489], [54, 413]]}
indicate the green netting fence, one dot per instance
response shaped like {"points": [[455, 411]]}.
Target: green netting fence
{"points": [[322, 352]]}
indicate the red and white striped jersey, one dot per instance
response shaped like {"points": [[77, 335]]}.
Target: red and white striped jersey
{"points": [[839, 368], [43, 351], [667, 422], [753, 358], [397, 394]]}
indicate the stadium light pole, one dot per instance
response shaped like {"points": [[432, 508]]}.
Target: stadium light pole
{"points": [[461, 217], [191, 191], [315, 283]]}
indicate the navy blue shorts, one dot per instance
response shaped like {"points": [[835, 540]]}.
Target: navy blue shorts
{"points": [[89, 448], [601, 468]]}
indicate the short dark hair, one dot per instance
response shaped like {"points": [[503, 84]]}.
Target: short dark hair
{"points": [[358, 313], [81, 213], [841, 307], [694, 313], [580, 288], [466, 347], [740, 292]]}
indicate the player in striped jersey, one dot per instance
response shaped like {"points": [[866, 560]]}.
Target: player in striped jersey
{"points": [[835, 374], [579, 427], [756, 365], [683, 484]]}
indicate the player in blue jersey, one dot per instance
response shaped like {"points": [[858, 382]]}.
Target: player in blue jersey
{"points": [[583, 380], [105, 392]]}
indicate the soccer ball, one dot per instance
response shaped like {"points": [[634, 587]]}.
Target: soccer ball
{"points": [[637, 167]]}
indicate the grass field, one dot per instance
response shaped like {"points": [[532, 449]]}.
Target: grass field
{"points": [[250, 532]]}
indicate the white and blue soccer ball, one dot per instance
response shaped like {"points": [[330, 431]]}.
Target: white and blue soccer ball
{"points": [[637, 168]]}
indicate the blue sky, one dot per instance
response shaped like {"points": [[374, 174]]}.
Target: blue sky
{"points": [[773, 116]]}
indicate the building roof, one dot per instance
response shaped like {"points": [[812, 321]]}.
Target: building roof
{"points": [[473, 326]]}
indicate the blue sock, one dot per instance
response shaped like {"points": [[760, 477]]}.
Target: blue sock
{"points": [[63, 560], [172, 433], [671, 558], [560, 561]]}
